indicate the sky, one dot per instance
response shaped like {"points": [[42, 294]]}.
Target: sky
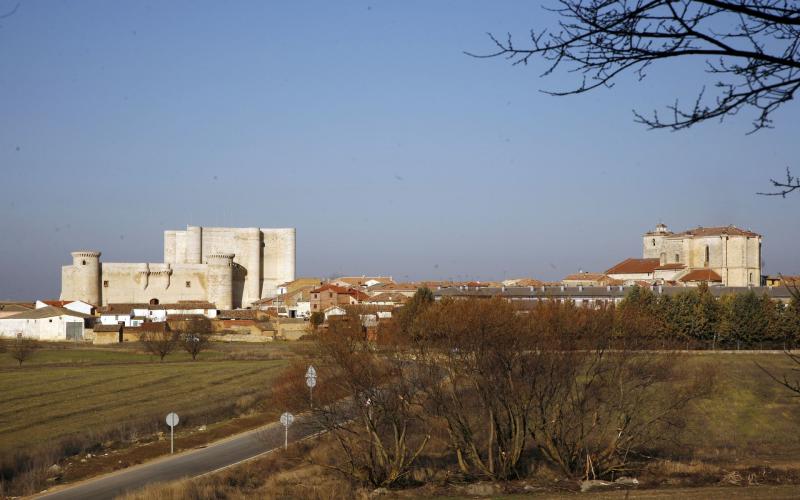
{"points": [[365, 126]]}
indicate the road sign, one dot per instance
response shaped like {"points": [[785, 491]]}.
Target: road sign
{"points": [[311, 382], [286, 419], [172, 421]]}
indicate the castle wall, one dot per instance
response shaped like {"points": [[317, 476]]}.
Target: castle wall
{"points": [[133, 283]]}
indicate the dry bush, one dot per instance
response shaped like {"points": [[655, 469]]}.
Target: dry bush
{"points": [[376, 423], [21, 348], [547, 378], [160, 343]]}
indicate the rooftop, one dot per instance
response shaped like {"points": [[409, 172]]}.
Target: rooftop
{"points": [[635, 266]]}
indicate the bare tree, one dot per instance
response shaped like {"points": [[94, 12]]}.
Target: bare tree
{"points": [[751, 47], [160, 343], [752, 50], [376, 424], [22, 348], [784, 187], [195, 335]]}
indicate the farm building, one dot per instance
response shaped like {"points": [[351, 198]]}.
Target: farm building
{"points": [[46, 323]]}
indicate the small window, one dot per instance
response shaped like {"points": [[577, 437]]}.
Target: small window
{"points": [[105, 284], [330, 295], [50, 320], [83, 262], [654, 242], [188, 284], [677, 258]]}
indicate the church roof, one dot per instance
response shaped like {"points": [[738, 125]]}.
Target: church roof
{"points": [[635, 266], [673, 266], [717, 231], [701, 275]]}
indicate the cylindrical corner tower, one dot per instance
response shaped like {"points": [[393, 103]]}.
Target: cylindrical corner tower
{"points": [[252, 289], [194, 244], [220, 280], [86, 276]]}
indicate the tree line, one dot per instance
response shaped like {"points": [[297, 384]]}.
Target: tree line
{"points": [[482, 390], [697, 318]]}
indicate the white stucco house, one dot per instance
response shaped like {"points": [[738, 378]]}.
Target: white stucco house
{"points": [[46, 323], [334, 311]]}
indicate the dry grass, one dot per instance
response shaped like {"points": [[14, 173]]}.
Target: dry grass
{"points": [[71, 400], [740, 443]]}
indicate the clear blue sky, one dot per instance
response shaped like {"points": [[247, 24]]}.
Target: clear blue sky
{"points": [[363, 125]]}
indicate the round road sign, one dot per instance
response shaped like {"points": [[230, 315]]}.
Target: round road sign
{"points": [[172, 419], [287, 419]]}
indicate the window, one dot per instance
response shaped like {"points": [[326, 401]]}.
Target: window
{"points": [[677, 258], [330, 295], [707, 255], [188, 284], [751, 278], [654, 242], [105, 284], [83, 262]]}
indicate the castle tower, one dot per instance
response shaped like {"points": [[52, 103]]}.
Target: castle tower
{"points": [[86, 276], [252, 291], [220, 280], [194, 244]]}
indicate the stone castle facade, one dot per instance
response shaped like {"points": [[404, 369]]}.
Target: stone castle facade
{"points": [[229, 267], [728, 251]]}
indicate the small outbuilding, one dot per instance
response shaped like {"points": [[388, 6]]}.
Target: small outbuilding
{"points": [[46, 323]]}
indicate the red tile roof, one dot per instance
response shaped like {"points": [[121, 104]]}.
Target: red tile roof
{"points": [[674, 265], [701, 275], [635, 266]]}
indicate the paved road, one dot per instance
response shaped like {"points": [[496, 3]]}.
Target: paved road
{"points": [[192, 463]]}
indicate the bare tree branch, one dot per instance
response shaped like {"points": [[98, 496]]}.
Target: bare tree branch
{"points": [[752, 48]]}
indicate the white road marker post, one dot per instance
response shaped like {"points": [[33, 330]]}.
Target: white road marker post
{"points": [[172, 421], [286, 419], [311, 382]]}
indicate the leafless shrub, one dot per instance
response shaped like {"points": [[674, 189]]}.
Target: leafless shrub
{"points": [[160, 343], [21, 348], [377, 425]]}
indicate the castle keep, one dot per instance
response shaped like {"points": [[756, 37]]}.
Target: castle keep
{"points": [[229, 267]]}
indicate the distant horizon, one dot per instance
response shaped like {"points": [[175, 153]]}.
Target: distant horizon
{"points": [[406, 278], [390, 150]]}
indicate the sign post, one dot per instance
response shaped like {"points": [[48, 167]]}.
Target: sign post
{"points": [[172, 421], [311, 382], [286, 419]]}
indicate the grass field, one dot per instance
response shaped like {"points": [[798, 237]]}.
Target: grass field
{"points": [[70, 391], [748, 417], [746, 429]]}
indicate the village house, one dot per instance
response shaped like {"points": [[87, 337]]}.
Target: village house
{"points": [[333, 295]]}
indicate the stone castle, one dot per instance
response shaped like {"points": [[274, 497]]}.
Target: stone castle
{"points": [[229, 267], [729, 253]]}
